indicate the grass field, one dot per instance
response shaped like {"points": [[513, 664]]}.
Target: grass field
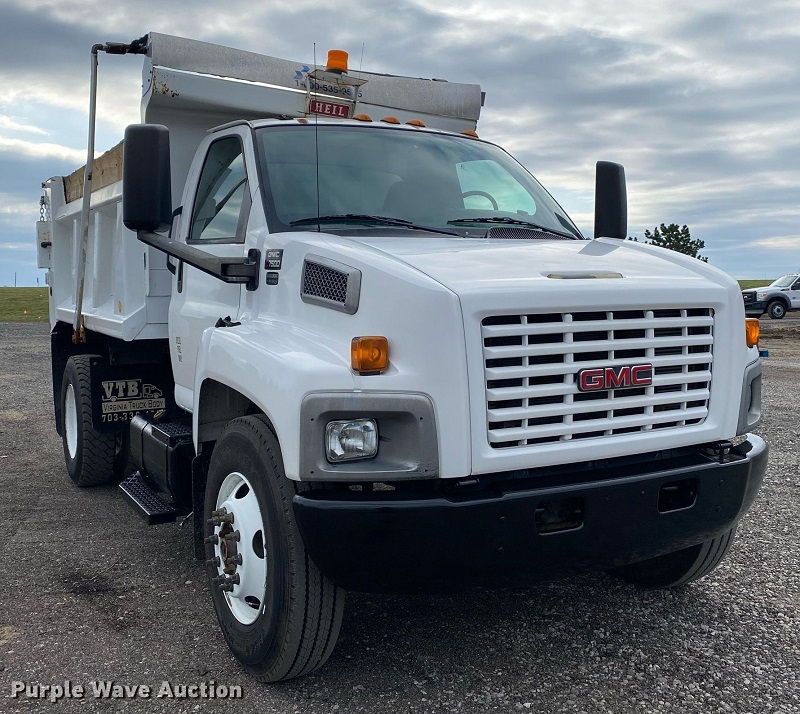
{"points": [[23, 304], [753, 283], [30, 304]]}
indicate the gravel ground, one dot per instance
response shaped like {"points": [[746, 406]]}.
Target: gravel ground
{"points": [[90, 593]]}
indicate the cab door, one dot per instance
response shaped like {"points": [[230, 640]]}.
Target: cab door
{"points": [[794, 295], [213, 219]]}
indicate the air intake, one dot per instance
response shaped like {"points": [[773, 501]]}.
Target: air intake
{"points": [[509, 233], [331, 284]]}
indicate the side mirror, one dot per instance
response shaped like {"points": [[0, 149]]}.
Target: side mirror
{"points": [[146, 178], [610, 201]]}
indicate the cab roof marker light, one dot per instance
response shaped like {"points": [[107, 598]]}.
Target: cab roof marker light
{"points": [[415, 122], [362, 117], [470, 132], [391, 120]]}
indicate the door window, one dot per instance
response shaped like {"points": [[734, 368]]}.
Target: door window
{"points": [[222, 202]]}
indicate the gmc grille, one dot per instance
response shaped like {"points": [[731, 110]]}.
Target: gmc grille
{"points": [[531, 362]]}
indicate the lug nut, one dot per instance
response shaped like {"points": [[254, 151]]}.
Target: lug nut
{"points": [[213, 561], [235, 536], [226, 584], [213, 539], [221, 516], [234, 560]]}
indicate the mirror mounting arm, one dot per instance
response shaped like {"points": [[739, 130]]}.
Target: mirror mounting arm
{"points": [[229, 270]]}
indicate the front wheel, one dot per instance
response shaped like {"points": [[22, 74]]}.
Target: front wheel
{"points": [[280, 616], [682, 566], [776, 310]]}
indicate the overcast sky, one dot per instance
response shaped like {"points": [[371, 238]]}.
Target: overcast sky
{"points": [[699, 100]]}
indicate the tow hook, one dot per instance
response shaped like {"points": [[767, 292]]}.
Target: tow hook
{"points": [[717, 451]]}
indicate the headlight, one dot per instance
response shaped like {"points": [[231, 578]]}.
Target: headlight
{"points": [[351, 439], [761, 296]]}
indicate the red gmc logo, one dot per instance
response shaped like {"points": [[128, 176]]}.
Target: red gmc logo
{"points": [[638, 375]]}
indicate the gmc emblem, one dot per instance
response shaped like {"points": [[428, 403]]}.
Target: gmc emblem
{"points": [[602, 378]]}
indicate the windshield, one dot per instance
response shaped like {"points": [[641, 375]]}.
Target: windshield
{"points": [[784, 281], [450, 183]]}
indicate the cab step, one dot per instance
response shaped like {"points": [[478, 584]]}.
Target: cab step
{"points": [[148, 502]]}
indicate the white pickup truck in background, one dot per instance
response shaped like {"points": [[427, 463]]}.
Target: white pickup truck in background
{"points": [[776, 299], [369, 351]]}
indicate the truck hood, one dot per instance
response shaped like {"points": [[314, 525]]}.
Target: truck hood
{"points": [[478, 265]]}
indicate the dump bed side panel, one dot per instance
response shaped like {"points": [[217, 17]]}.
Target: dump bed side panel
{"points": [[127, 288]]}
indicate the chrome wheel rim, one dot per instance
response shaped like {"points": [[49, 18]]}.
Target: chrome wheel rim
{"points": [[240, 548], [71, 421]]}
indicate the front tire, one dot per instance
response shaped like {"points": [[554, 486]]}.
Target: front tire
{"points": [[279, 615], [682, 566], [776, 310], [90, 455]]}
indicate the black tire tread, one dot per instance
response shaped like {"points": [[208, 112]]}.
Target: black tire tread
{"points": [[97, 451], [682, 567], [316, 603], [712, 557]]}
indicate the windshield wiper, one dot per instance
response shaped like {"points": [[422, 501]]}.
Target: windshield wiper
{"points": [[509, 220], [367, 219]]}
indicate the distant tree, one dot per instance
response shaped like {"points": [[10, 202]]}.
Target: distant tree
{"points": [[675, 238]]}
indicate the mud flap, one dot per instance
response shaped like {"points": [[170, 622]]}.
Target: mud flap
{"points": [[121, 392]]}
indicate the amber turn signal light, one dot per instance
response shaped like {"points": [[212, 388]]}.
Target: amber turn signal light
{"points": [[752, 331], [369, 354]]}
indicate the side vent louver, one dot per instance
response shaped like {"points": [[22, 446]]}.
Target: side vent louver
{"points": [[329, 283]]}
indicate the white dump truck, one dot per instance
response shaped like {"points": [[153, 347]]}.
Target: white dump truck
{"points": [[367, 350]]}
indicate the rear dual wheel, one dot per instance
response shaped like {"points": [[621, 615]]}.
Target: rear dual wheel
{"points": [[279, 614], [92, 457]]}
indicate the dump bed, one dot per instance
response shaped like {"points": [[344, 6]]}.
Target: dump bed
{"points": [[190, 87]]}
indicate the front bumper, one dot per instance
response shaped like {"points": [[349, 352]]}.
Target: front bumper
{"points": [[755, 308], [499, 529]]}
